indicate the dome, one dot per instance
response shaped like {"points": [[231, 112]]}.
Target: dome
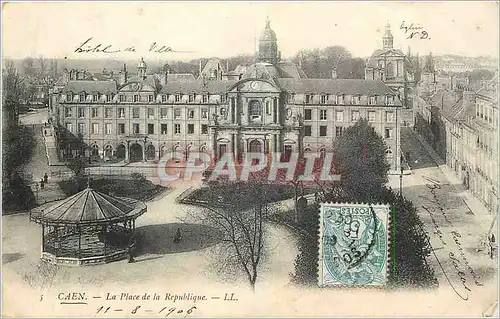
{"points": [[268, 34], [142, 64]]}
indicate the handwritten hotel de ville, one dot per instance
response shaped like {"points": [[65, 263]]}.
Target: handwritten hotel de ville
{"points": [[251, 159]]}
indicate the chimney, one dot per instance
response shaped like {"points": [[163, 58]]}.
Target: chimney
{"points": [[122, 79], [334, 73]]}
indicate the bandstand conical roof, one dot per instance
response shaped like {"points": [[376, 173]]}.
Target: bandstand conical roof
{"points": [[90, 207]]}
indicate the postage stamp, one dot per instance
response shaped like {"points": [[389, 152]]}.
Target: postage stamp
{"points": [[354, 244]]}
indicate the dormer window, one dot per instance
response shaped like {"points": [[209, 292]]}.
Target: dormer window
{"points": [[324, 98], [177, 98], [123, 98], [205, 98], [223, 98], [340, 99], [151, 98], [291, 97], [108, 98], [136, 98], [96, 97], [82, 97], [356, 99], [163, 98], [192, 97], [309, 98], [69, 96], [390, 100], [373, 100]]}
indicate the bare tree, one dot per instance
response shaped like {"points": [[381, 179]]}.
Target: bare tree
{"points": [[238, 218]]}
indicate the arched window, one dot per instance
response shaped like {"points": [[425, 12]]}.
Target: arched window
{"points": [[255, 110]]}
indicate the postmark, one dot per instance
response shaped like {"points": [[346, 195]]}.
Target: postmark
{"points": [[353, 245]]}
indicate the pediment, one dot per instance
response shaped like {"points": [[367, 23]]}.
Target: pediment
{"points": [[254, 85], [137, 87]]}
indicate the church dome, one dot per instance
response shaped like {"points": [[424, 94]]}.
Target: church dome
{"points": [[268, 34]]}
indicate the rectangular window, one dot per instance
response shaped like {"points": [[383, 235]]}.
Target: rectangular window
{"points": [[371, 116], [390, 100], [177, 113], [339, 116], [95, 128], [151, 128], [388, 133], [338, 131], [123, 98], [355, 116], [268, 107], [151, 113], [307, 114], [81, 128], [109, 97], [389, 117], [177, 128], [136, 97], [151, 98], [164, 98], [190, 114], [135, 112], [205, 98], [356, 100], [322, 130], [309, 98], [67, 111], [307, 130], [340, 99], [324, 99], [107, 112], [177, 98], [69, 97], [204, 129], [322, 115], [95, 112], [291, 97], [135, 128], [163, 112], [191, 98], [81, 112], [69, 127], [109, 128], [163, 128], [373, 100], [204, 113], [82, 97], [190, 128], [223, 98], [121, 128], [121, 113]]}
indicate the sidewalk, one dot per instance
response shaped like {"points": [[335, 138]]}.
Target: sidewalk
{"points": [[474, 204], [50, 147]]}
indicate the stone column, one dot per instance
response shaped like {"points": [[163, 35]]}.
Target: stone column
{"points": [[127, 151]]}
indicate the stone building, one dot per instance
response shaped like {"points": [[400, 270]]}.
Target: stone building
{"points": [[267, 106]]}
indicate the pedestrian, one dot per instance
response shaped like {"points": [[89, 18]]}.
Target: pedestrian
{"points": [[46, 178], [178, 235], [41, 184]]}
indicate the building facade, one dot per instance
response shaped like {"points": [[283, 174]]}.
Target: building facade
{"points": [[269, 106]]}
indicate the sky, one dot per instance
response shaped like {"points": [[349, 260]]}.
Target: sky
{"points": [[223, 29]]}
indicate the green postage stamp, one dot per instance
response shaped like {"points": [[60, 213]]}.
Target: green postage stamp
{"points": [[353, 244]]}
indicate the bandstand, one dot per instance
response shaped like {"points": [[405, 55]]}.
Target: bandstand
{"points": [[88, 228]]}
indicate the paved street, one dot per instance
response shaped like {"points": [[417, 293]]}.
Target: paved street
{"points": [[455, 221]]}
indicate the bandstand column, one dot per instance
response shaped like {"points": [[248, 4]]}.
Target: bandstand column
{"points": [[79, 242]]}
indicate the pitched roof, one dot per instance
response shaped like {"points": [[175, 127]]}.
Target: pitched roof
{"points": [[335, 86], [197, 86], [289, 69], [90, 86], [181, 77], [372, 61]]}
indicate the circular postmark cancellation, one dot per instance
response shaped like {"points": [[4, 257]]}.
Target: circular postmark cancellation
{"points": [[354, 244]]}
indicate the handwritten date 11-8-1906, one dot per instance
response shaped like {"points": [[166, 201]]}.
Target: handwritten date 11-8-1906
{"points": [[167, 311]]}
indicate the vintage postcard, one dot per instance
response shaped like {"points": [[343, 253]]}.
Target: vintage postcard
{"points": [[250, 159]]}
